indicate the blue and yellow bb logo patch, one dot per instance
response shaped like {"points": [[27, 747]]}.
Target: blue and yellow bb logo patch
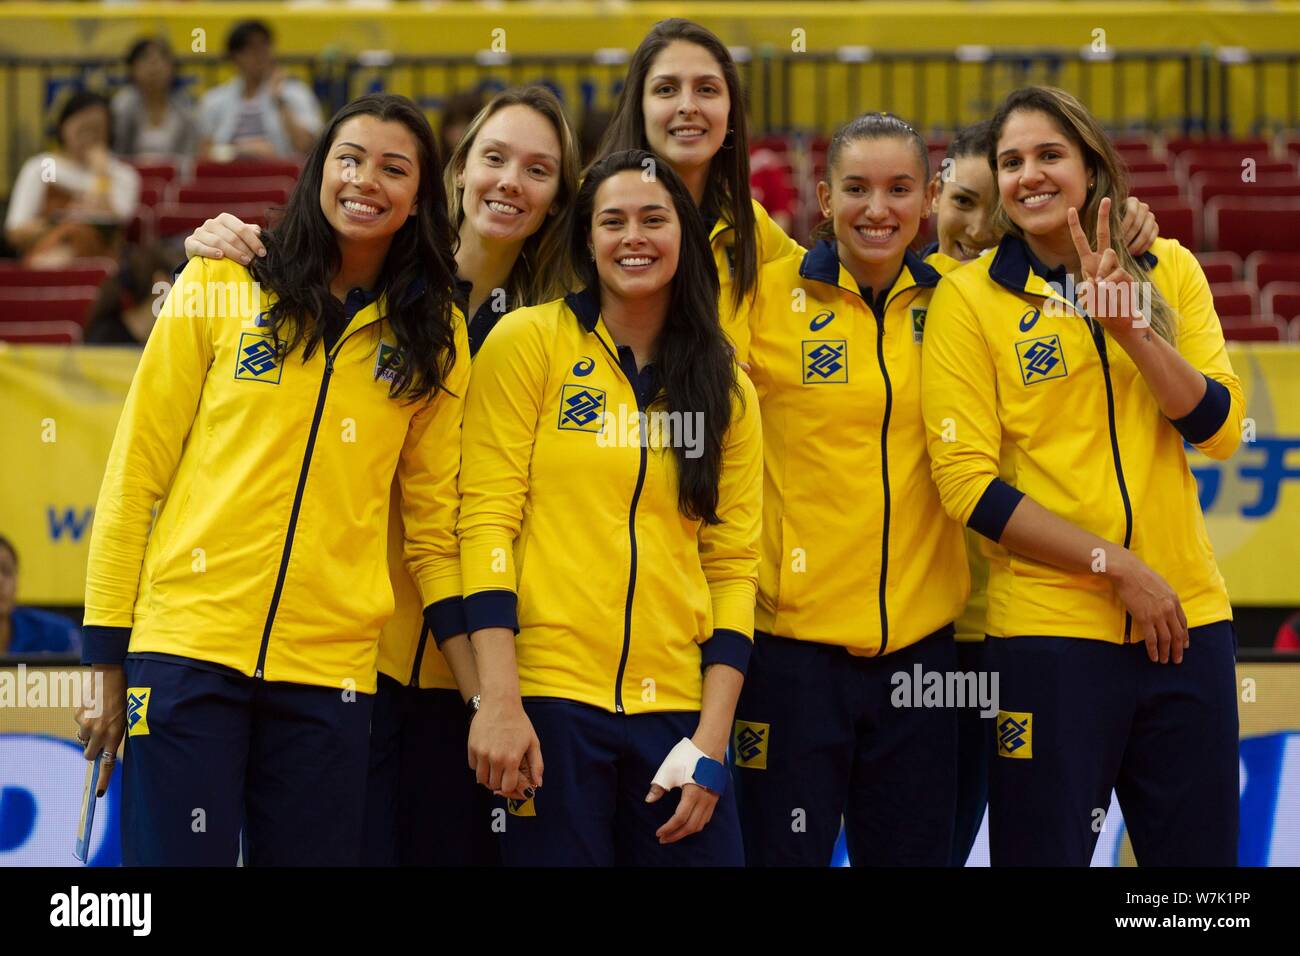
{"points": [[749, 743], [582, 409], [1015, 734], [137, 711], [825, 361], [1041, 359], [256, 360], [522, 808]]}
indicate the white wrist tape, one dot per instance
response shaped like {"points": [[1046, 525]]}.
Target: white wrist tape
{"points": [[678, 767]]}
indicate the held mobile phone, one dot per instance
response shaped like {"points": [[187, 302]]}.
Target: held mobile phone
{"points": [[86, 822]]}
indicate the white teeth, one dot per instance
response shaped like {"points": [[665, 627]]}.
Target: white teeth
{"points": [[692, 132], [363, 208], [503, 208], [876, 233], [635, 261], [1037, 199]]}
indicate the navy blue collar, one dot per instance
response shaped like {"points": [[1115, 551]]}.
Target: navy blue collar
{"points": [[586, 306], [357, 299], [822, 264], [461, 289], [1014, 261]]}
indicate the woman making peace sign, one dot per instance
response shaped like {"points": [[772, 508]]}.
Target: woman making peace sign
{"points": [[1060, 379]]}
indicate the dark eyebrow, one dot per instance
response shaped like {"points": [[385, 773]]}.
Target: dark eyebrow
{"points": [[646, 208], [974, 194], [1039, 146], [362, 149], [863, 179], [498, 144], [710, 77]]}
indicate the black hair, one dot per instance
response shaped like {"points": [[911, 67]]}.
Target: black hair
{"points": [[6, 543], [972, 140], [76, 103], [142, 46], [242, 34], [417, 278], [694, 360]]}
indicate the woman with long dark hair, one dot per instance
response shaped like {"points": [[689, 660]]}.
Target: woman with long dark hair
{"points": [[510, 183], [272, 408], [609, 532], [1062, 376], [683, 101]]}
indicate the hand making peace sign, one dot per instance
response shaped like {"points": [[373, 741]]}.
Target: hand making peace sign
{"points": [[1107, 292]]}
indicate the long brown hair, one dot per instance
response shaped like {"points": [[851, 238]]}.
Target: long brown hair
{"points": [[542, 271], [726, 192], [1109, 180]]}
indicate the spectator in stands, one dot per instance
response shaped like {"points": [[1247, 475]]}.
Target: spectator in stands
{"points": [[125, 312], [73, 201], [25, 630], [262, 112], [150, 118], [459, 112]]}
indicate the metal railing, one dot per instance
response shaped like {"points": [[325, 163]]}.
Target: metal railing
{"points": [[1186, 92]]}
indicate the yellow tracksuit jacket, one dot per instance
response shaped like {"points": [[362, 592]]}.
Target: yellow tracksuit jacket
{"points": [[773, 244], [857, 550], [570, 532], [1023, 395], [272, 482]]}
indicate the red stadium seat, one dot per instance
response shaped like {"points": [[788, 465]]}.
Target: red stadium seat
{"points": [[80, 272], [1235, 300], [162, 170], [40, 333], [1148, 185], [1239, 147], [1177, 220], [151, 191], [69, 304], [1270, 330], [177, 219], [1243, 225], [1134, 148], [246, 169], [1189, 164], [270, 191], [1265, 267], [1137, 167], [1209, 183], [1220, 267], [1282, 301], [140, 229]]}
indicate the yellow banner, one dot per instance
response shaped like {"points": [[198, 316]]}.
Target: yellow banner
{"points": [[61, 407]]}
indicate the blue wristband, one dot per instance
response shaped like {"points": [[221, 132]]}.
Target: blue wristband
{"points": [[711, 774]]}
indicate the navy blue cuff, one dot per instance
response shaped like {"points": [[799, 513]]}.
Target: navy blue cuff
{"points": [[1200, 424], [991, 515], [726, 647], [495, 608], [104, 645], [446, 618]]}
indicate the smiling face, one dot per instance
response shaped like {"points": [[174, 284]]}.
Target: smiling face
{"points": [[1041, 173], [371, 181], [965, 208], [511, 175], [635, 236], [686, 105], [876, 200]]}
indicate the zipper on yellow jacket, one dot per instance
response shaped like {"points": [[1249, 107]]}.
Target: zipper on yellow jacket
{"points": [[823, 498], [1002, 369], [572, 537], [201, 404]]}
